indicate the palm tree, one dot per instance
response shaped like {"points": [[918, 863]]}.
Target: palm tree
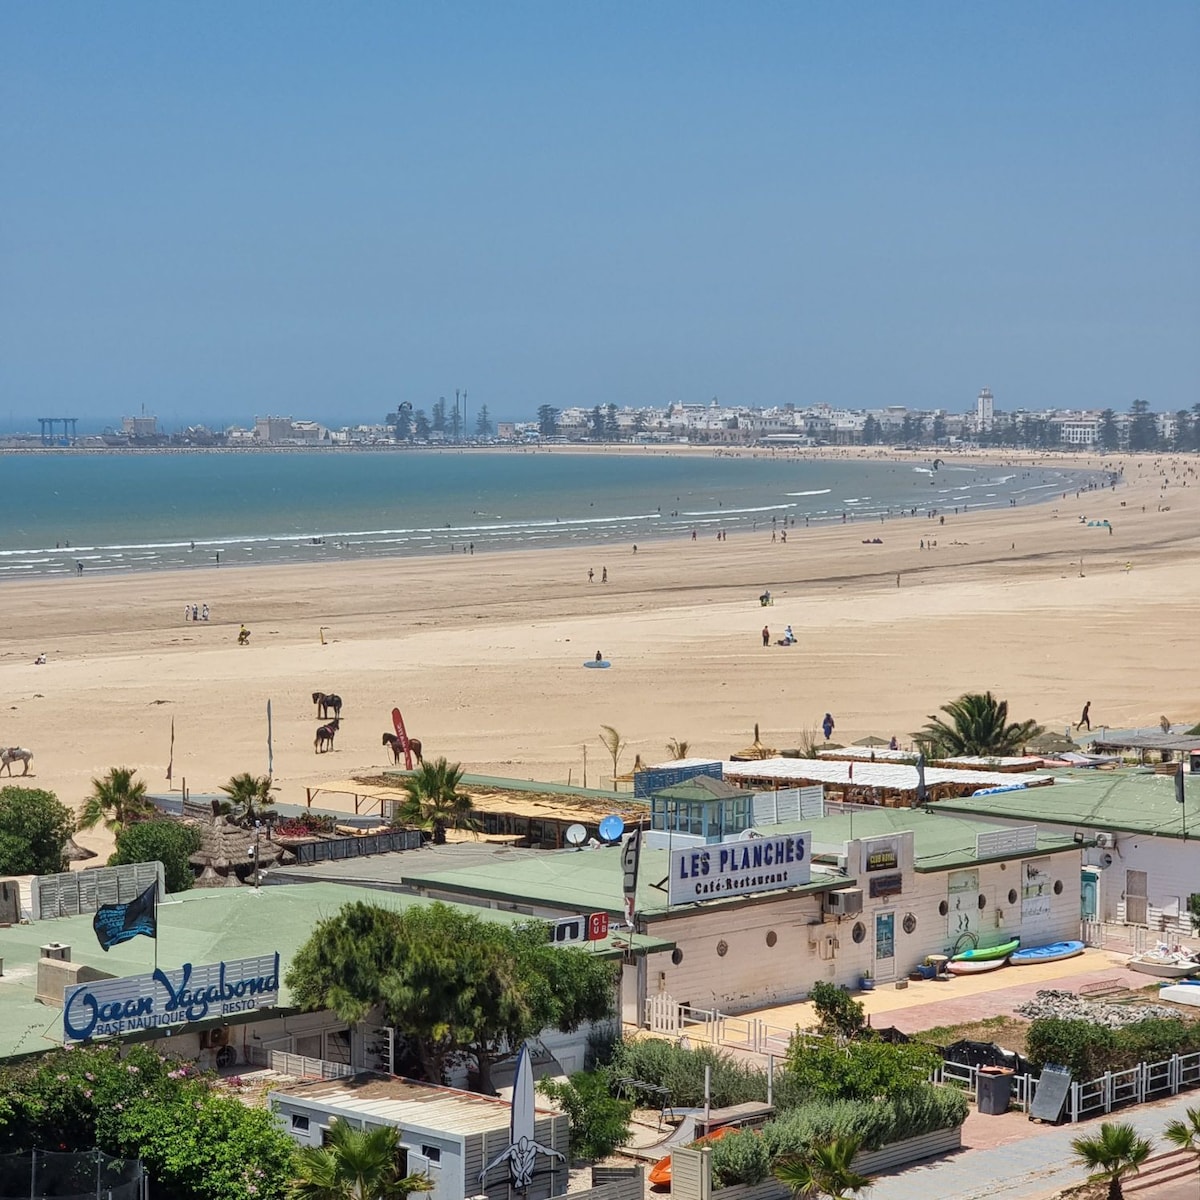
{"points": [[676, 749], [823, 1170], [1186, 1134], [979, 726], [355, 1164], [615, 744], [116, 799], [1117, 1151], [434, 802], [249, 797]]}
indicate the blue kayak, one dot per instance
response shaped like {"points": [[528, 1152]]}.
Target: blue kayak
{"points": [[1051, 953]]}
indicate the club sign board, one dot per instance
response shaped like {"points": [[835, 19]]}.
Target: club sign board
{"points": [[112, 1007], [739, 868]]}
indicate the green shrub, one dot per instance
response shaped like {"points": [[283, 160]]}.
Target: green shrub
{"points": [[169, 842], [599, 1121], [1089, 1050], [860, 1070], [742, 1157], [681, 1071], [34, 828], [839, 1012]]}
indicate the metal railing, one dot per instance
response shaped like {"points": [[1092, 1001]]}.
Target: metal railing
{"points": [[1146, 1081]]}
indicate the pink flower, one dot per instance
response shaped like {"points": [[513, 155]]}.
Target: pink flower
{"points": [[87, 1093]]}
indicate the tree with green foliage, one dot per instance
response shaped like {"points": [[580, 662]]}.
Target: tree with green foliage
{"points": [[612, 427], [615, 744], [978, 725], [483, 423], [1183, 439], [596, 424], [459, 987], [871, 431], [838, 1013], [355, 1164], [1186, 1133], [117, 799], [1110, 435], [599, 1121], [1113, 1153], [439, 415], [547, 416], [249, 797], [829, 1069], [434, 802], [421, 426], [171, 843], [34, 830], [826, 1169], [1143, 428]]}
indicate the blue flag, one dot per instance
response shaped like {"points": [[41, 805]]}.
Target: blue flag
{"points": [[116, 923]]}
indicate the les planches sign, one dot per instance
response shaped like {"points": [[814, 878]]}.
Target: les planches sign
{"points": [[112, 1007]]}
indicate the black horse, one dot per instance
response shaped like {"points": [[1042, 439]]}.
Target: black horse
{"points": [[325, 736], [325, 703], [414, 744]]}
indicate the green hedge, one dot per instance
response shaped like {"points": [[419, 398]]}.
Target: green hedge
{"points": [[1089, 1050], [681, 1070], [746, 1157]]}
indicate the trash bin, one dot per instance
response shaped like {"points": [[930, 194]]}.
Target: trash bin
{"points": [[993, 1090]]}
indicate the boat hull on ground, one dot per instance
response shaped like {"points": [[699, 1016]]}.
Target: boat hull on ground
{"points": [[1043, 954], [1180, 993], [1163, 969], [975, 966], [984, 953]]}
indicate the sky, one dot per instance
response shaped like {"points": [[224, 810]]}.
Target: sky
{"points": [[222, 210]]}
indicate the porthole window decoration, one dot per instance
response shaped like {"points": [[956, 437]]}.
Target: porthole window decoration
{"points": [[1058, 887], [982, 902], [772, 937], [944, 908], [859, 932], [1012, 895], [910, 923], [722, 948], [677, 956]]}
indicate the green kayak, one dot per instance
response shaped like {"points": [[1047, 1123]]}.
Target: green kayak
{"points": [[988, 952]]}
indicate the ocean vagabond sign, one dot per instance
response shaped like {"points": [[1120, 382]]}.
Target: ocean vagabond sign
{"points": [[112, 1007], [738, 868]]}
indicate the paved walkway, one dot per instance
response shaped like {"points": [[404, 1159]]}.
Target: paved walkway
{"points": [[1030, 1165]]}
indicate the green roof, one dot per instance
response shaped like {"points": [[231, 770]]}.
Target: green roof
{"points": [[1125, 801], [200, 926]]}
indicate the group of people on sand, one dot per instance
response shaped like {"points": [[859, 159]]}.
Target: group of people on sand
{"points": [[192, 612], [603, 572]]}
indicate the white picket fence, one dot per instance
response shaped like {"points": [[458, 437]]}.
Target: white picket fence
{"points": [[299, 1066], [669, 1019]]}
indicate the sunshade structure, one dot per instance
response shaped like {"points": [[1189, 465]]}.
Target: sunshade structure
{"points": [[226, 845], [1051, 743], [873, 742], [755, 751]]}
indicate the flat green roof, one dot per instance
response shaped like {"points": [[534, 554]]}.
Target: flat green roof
{"points": [[201, 926], [589, 880], [1125, 801]]}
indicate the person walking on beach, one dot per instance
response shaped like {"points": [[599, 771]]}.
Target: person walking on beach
{"points": [[78, 567], [827, 726], [204, 612], [591, 574], [1085, 717], [195, 613], [187, 612], [766, 636], [603, 574]]}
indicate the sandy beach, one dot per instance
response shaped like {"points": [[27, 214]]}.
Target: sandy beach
{"points": [[484, 653]]}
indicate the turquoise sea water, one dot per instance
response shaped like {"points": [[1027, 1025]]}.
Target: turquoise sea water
{"points": [[141, 511]]}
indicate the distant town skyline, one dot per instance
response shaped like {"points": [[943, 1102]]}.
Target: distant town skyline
{"points": [[219, 212]]}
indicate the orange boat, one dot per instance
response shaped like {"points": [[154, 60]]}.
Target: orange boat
{"points": [[660, 1173]]}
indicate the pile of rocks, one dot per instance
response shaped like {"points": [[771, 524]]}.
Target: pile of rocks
{"points": [[1067, 1006]]}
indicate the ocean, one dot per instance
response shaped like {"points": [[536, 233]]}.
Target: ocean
{"points": [[143, 511]]}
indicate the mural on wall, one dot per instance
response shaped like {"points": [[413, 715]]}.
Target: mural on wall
{"points": [[1035, 889], [962, 898]]}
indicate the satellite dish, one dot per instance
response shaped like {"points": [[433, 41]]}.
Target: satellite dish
{"points": [[576, 835], [611, 828]]}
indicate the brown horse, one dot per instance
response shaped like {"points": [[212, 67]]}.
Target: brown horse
{"points": [[326, 702], [414, 744], [325, 736]]}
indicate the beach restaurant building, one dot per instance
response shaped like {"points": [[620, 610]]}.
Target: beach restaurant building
{"points": [[758, 918], [223, 999], [1141, 846]]}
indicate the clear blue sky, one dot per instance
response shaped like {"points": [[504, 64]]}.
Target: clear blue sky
{"points": [[218, 210]]}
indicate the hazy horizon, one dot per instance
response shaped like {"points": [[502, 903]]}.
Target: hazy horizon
{"points": [[324, 210]]}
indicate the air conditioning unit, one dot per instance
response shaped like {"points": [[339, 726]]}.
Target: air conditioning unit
{"points": [[214, 1039], [845, 902], [1106, 841]]}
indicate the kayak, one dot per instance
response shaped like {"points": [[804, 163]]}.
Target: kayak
{"points": [[975, 966], [1051, 953], [983, 953], [660, 1173]]}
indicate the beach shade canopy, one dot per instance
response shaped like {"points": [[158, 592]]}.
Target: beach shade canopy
{"points": [[755, 751], [873, 742], [1051, 743], [74, 852]]}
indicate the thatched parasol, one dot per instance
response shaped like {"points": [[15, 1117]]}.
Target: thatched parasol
{"points": [[872, 742], [1051, 743], [74, 852], [755, 751]]}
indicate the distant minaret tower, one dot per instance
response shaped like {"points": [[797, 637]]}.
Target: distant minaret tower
{"points": [[985, 409]]}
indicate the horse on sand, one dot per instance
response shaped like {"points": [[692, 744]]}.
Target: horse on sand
{"points": [[12, 754], [325, 736], [326, 702], [414, 744]]}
